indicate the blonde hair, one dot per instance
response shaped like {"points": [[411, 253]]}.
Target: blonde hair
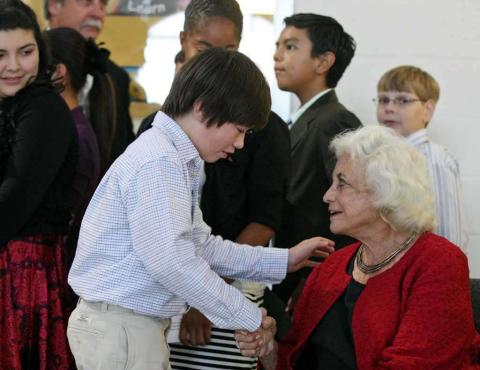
{"points": [[410, 79], [396, 175]]}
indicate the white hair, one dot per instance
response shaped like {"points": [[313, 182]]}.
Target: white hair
{"points": [[396, 175]]}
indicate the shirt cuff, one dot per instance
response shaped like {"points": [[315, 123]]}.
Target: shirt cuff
{"points": [[274, 262]]}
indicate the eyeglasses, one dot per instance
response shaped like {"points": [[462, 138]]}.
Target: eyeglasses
{"points": [[399, 101]]}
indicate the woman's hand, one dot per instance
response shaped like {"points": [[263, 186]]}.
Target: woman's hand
{"points": [[260, 342], [299, 255]]}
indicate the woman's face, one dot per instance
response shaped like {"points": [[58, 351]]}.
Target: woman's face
{"points": [[349, 200], [19, 59]]}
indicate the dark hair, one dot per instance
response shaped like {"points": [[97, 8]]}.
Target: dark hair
{"points": [[81, 57], [227, 84], [198, 11], [326, 34], [15, 14]]}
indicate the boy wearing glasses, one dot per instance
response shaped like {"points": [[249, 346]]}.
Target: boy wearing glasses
{"points": [[407, 97]]}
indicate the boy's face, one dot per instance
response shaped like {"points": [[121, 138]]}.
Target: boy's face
{"points": [[295, 69], [219, 142], [403, 111], [215, 32]]}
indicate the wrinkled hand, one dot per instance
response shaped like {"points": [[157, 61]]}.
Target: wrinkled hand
{"points": [[260, 342], [299, 255], [195, 328]]}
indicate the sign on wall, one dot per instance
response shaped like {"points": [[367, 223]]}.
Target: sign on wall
{"points": [[154, 8]]}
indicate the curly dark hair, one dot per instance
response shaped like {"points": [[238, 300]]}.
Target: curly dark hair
{"points": [[198, 11]]}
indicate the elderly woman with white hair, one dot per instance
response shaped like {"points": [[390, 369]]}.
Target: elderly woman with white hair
{"points": [[397, 299]]}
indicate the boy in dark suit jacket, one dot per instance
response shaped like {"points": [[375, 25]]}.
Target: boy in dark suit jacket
{"points": [[312, 53]]}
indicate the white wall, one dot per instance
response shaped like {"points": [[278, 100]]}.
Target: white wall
{"points": [[440, 36]]}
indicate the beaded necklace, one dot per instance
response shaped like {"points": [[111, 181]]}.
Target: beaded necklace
{"points": [[370, 269]]}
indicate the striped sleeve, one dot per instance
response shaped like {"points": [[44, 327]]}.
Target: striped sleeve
{"points": [[447, 187]]}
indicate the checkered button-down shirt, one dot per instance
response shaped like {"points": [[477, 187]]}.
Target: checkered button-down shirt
{"points": [[144, 246]]}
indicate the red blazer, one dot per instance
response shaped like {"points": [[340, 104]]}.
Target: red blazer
{"points": [[416, 315]]}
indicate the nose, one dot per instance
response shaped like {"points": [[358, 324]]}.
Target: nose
{"points": [[329, 195], [277, 55], [12, 63], [239, 141], [98, 9], [390, 106]]}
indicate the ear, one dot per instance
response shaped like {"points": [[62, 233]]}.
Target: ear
{"points": [[197, 111], [60, 74], [429, 106], [183, 37], [54, 6], [325, 61]]}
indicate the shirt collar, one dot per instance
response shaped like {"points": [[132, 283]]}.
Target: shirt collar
{"points": [[296, 115], [180, 139], [418, 137], [83, 93]]}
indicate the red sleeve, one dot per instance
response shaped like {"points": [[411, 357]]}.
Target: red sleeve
{"points": [[436, 326]]}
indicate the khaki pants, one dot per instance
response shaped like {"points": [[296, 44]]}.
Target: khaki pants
{"points": [[108, 337]]}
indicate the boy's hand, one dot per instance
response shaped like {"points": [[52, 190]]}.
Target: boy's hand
{"points": [[299, 255], [195, 329]]}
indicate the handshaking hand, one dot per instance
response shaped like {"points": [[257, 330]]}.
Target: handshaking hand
{"points": [[260, 342]]}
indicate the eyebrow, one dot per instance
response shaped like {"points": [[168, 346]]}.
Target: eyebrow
{"points": [[22, 47], [28, 45], [399, 93], [208, 45], [294, 39]]}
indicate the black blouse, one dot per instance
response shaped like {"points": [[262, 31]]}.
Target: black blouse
{"points": [[37, 172], [251, 185], [330, 347]]}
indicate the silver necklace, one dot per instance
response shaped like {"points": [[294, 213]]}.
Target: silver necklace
{"points": [[370, 269]]}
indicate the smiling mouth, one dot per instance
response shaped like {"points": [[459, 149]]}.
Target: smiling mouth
{"points": [[334, 213], [12, 80]]}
